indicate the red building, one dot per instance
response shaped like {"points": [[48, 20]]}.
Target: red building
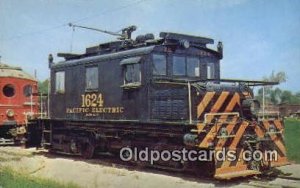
{"points": [[289, 109]]}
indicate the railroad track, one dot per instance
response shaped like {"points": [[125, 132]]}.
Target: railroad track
{"points": [[285, 184], [266, 181], [275, 180]]}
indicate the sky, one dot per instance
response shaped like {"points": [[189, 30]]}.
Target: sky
{"points": [[259, 36]]}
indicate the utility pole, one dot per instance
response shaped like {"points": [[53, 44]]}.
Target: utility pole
{"points": [[263, 107]]}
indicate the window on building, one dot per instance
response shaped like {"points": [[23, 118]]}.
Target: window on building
{"points": [[91, 78], [132, 73], [27, 90], [60, 82], [193, 67], [9, 90], [179, 66], [159, 64], [210, 71]]}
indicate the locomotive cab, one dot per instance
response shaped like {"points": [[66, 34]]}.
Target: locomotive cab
{"points": [[181, 59]]}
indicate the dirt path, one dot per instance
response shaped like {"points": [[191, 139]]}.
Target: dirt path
{"points": [[91, 174]]}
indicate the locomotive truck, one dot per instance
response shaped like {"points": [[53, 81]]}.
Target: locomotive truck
{"points": [[161, 93]]}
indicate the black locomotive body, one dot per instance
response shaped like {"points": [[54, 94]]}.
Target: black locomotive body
{"points": [[124, 85], [162, 94]]}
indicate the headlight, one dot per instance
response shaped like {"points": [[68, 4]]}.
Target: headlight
{"points": [[10, 113], [250, 107]]}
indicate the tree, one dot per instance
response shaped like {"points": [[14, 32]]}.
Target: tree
{"points": [[287, 97], [276, 77], [277, 96], [272, 95], [43, 86]]}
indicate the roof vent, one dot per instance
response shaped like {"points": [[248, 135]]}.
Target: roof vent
{"points": [[149, 36], [140, 38]]}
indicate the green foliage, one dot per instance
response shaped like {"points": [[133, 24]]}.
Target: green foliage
{"points": [[292, 141], [43, 86], [276, 77], [275, 95], [9, 178]]}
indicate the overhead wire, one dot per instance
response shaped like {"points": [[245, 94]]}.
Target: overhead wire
{"points": [[75, 21], [109, 11]]}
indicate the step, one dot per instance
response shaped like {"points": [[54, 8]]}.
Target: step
{"points": [[4, 141]]}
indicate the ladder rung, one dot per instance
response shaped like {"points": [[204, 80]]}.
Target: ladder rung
{"points": [[47, 132]]}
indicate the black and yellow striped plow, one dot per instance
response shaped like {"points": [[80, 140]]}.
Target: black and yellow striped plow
{"points": [[222, 135], [273, 131], [220, 128]]}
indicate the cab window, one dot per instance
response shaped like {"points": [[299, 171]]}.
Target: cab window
{"points": [[210, 71], [132, 73], [193, 67], [60, 82], [159, 64], [91, 76], [179, 66]]}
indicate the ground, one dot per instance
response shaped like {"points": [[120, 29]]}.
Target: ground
{"points": [[96, 173]]}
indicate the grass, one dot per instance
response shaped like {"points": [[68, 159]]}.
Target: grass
{"points": [[292, 139], [12, 179]]}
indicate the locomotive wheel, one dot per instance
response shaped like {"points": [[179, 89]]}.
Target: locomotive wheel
{"points": [[88, 150], [202, 169]]}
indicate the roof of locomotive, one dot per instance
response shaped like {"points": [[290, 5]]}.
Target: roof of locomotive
{"points": [[14, 72], [129, 48], [104, 57]]}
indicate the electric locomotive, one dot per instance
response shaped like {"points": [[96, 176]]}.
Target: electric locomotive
{"points": [[163, 94], [17, 103]]}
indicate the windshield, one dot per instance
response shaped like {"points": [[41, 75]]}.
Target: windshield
{"points": [[179, 66], [193, 66], [159, 64], [184, 66]]}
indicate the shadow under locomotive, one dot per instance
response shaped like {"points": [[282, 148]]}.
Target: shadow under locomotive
{"points": [[109, 160]]}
